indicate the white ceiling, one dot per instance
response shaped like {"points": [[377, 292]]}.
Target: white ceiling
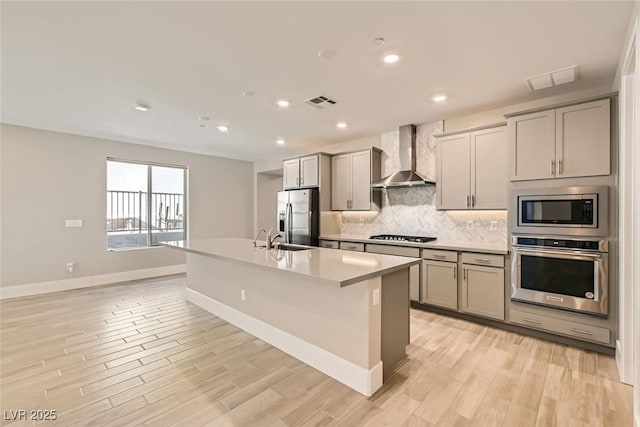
{"points": [[79, 66]]}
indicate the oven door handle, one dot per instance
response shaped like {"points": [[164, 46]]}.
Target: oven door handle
{"points": [[563, 254]]}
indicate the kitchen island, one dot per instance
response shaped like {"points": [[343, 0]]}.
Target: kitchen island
{"points": [[344, 313]]}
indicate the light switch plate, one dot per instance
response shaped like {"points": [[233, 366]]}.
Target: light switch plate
{"points": [[376, 296], [73, 223]]}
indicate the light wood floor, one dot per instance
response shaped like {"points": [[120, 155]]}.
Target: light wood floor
{"points": [[137, 353]]}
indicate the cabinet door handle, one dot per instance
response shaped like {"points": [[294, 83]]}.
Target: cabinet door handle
{"points": [[464, 274], [559, 166], [297, 181], [553, 164], [481, 259], [439, 256], [454, 273], [580, 331], [467, 200], [473, 200], [535, 322]]}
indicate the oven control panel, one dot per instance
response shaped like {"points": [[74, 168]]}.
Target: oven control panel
{"points": [[551, 242]]}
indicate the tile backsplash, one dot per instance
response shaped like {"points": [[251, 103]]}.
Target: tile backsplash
{"points": [[412, 211]]}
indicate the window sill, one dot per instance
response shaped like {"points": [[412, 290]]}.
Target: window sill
{"points": [[133, 249]]}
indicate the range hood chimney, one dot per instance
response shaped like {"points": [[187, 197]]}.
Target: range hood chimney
{"points": [[407, 175]]}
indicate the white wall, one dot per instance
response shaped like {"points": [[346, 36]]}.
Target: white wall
{"points": [[47, 177], [496, 115]]}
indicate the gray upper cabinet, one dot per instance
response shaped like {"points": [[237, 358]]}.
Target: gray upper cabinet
{"points": [[489, 169], [532, 145], [454, 172], [565, 142], [472, 170], [351, 177], [583, 139], [301, 172]]}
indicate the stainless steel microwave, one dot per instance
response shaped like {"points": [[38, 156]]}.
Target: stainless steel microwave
{"points": [[581, 211]]}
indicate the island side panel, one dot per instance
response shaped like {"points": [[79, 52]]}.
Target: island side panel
{"points": [[395, 318], [342, 321]]}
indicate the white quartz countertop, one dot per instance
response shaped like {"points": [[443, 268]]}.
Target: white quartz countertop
{"points": [[481, 247], [343, 267]]}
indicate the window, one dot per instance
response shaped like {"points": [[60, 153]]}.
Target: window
{"points": [[145, 204]]}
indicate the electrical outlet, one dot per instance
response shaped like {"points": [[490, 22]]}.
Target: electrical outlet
{"points": [[243, 295], [70, 267], [493, 225], [376, 296], [470, 224], [361, 221]]}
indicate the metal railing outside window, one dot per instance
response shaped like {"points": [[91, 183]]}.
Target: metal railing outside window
{"points": [[136, 220]]}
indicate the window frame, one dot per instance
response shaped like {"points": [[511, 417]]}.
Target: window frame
{"points": [[149, 165]]}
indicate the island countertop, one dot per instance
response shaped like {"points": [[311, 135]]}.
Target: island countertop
{"points": [[342, 267]]}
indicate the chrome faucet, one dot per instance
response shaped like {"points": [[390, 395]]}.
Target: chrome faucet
{"points": [[255, 244], [270, 240]]}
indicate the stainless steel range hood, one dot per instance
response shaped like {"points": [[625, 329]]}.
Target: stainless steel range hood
{"points": [[407, 175]]}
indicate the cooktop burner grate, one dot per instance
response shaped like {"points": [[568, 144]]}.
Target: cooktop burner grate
{"points": [[401, 238]]}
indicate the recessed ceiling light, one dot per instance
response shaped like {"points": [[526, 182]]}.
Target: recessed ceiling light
{"points": [[327, 54], [223, 128], [378, 41], [280, 141], [202, 125], [203, 118], [341, 125], [139, 106], [439, 98], [391, 58], [282, 103]]}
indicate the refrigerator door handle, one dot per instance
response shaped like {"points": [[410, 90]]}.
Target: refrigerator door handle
{"points": [[286, 223], [290, 223]]}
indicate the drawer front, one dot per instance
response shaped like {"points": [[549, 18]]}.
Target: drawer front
{"points": [[564, 327], [483, 259], [448, 256], [332, 244], [393, 250], [352, 246]]}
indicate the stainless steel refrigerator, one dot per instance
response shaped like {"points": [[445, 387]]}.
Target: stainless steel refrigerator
{"points": [[299, 216]]}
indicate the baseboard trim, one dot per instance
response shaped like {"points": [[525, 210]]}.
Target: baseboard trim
{"points": [[364, 381], [18, 291]]}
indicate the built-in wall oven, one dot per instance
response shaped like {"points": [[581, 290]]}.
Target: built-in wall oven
{"points": [[570, 274], [573, 211]]}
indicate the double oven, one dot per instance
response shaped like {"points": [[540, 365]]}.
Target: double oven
{"points": [[560, 248]]}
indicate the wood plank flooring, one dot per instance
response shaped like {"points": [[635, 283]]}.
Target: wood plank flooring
{"points": [[138, 354]]}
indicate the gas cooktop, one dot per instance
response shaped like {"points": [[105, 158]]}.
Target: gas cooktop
{"points": [[401, 238]]}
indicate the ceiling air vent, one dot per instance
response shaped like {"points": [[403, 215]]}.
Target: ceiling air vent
{"points": [[320, 102], [553, 78]]}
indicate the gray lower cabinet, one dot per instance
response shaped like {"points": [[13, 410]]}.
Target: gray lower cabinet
{"points": [[352, 246], [563, 327], [332, 244], [482, 291], [440, 283], [440, 278]]}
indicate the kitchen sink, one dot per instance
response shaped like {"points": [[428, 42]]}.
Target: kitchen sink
{"points": [[289, 247]]}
